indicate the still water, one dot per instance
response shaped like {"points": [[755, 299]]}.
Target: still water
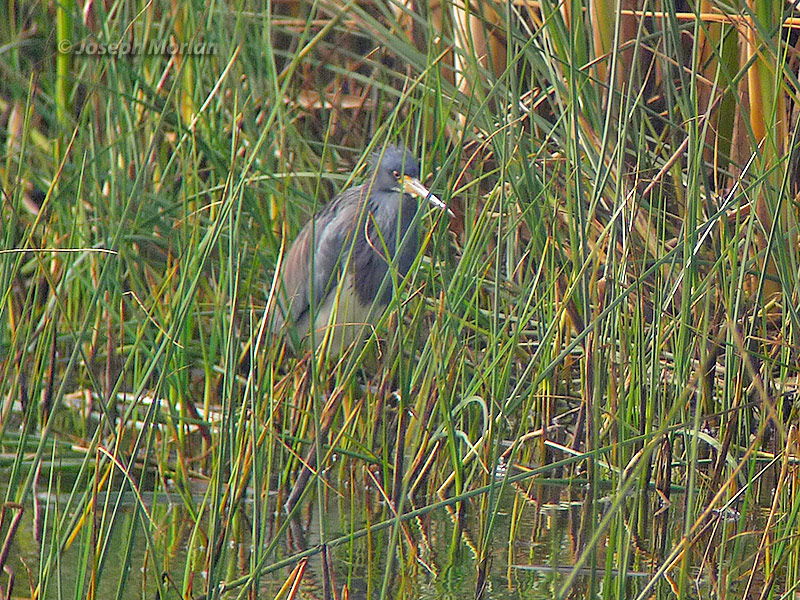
{"points": [[534, 541]]}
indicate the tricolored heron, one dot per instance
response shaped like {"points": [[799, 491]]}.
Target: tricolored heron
{"points": [[336, 271]]}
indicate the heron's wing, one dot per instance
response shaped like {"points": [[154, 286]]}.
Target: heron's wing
{"points": [[294, 278], [327, 237]]}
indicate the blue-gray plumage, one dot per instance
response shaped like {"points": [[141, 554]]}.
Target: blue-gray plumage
{"points": [[340, 259]]}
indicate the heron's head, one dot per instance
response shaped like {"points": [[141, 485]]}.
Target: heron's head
{"points": [[394, 169]]}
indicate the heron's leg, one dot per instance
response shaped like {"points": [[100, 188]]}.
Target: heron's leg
{"points": [[310, 460]]}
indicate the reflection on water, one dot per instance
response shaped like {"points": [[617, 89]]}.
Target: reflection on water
{"points": [[538, 533]]}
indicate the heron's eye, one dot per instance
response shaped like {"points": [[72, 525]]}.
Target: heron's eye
{"points": [[396, 173]]}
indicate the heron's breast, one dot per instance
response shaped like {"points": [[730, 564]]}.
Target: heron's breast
{"points": [[344, 318]]}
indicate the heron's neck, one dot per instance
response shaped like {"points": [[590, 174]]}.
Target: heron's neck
{"points": [[394, 215], [372, 255]]}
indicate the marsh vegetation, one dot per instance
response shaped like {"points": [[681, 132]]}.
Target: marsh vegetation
{"points": [[586, 387]]}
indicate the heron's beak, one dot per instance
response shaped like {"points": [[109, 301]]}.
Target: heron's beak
{"points": [[414, 187]]}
